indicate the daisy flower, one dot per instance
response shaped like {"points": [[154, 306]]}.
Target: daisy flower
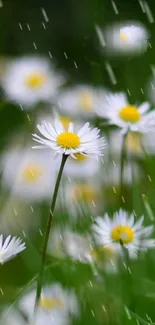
{"points": [[81, 167], [29, 174], [11, 317], [86, 141], [123, 229], [126, 116], [81, 196], [79, 101], [112, 174], [65, 242], [127, 38], [56, 305], [29, 80], [10, 248], [135, 143]]}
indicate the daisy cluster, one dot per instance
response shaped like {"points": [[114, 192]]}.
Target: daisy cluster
{"points": [[104, 138]]}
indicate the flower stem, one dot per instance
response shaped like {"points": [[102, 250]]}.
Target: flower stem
{"points": [[122, 163], [47, 232]]}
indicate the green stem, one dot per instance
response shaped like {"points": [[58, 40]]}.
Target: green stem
{"points": [[122, 163], [47, 232]]}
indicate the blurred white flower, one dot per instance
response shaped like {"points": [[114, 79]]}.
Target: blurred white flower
{"points": [[136, 144], [10, 248], [29, 174], [126, 38], [12, 317], [56, 305], [81, 167], [122, 230], [126, 116], [81, 196], [86, 141], [29, 80], [79, 247], [64, 242], [112, 174], [80, 101]]}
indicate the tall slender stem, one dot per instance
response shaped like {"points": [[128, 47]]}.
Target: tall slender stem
{"points": [[122, 163], [47, 232]]}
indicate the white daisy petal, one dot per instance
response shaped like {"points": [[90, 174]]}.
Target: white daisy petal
{"points": [[10, 248]]}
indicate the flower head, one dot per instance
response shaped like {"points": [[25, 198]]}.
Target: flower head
{"points": [[56, 305], [10, 248], [127, 38], [30, 80], [79, 100], [82, 196], [136, 144], [66, 243], [126, 116], [86, 141], [30, 174], [81, 167], [123, 230]]}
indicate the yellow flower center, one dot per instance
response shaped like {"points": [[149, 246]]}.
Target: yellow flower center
{"points": [[100, 252], [122, 234], [32, 173], [123, 36], [130, 113], [133, 143], [65, 121], [49, 303], [84, 192], [68, 140], [86, 101], [35, 80], [79, 157]]}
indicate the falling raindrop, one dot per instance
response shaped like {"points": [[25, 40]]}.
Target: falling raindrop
{"points": [[110, 73], [20, 25], [114, 189], [75, 65], [142, 5], [114, 7], [44, 26], [148, 12], [127, 312], [15, 212], [40, 231], [100, 35], [92, 313], [50, 54], [28, 27], [35, 46], [65, 55], [45, 14]]}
